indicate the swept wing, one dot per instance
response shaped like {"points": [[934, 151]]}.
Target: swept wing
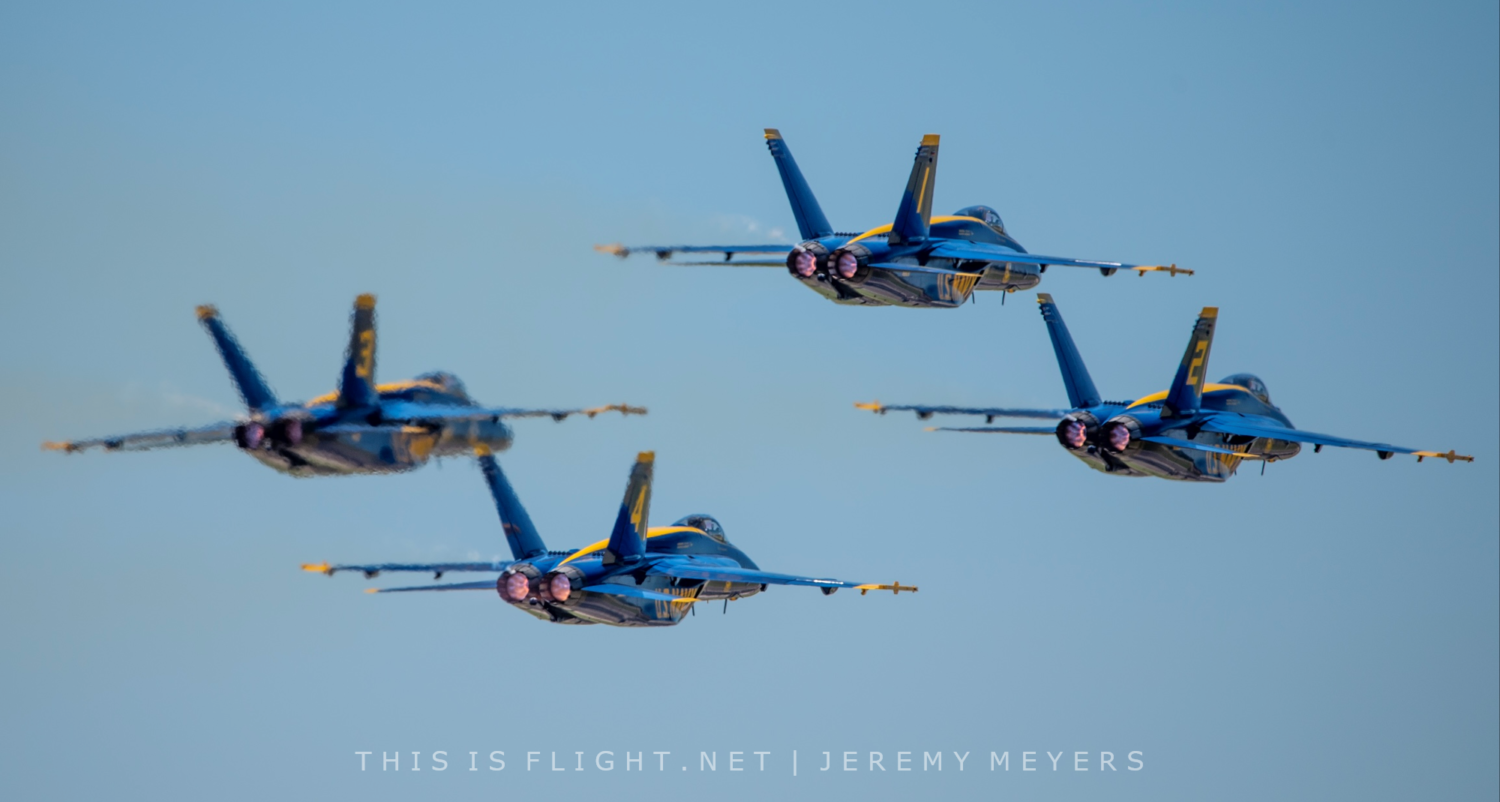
{"points": [[1247, 426], [955, 249], [145, 441]]}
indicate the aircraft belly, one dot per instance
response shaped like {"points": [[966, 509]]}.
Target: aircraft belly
{"points": [[1104, 463], [916, 290], [381, 450], [1179, 464], [838, 293]]}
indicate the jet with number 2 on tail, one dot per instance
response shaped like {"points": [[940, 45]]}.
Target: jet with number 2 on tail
{"points": [[1192, 431], [638, 577], [916, 261], [363, 427]]}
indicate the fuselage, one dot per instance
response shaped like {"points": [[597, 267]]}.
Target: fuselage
{"points": [[317, 438], [1143, 418], [588, 566], [891, 286]]}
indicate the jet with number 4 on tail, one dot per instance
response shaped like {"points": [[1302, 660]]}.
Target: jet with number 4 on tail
{"points": [[1192, 431], [363, 427], [915, 261], [638, 577]]}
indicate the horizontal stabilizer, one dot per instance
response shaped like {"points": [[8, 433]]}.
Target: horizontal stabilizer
{"points": [[990, 413], [996, 429], [1177, 442], [488, 584], [664, 252], [456, 413], [145, 441], [633, 592]]}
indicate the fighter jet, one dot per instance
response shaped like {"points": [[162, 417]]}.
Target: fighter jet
{"points": [[916, 261], [638, 577], [363, 427], [1191, 431]]}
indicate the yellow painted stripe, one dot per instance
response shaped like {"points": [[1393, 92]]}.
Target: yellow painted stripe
{"points": [[650, 533], [1207, 388]]}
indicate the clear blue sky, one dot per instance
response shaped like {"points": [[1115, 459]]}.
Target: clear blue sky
{"points": [[1331, 629]]}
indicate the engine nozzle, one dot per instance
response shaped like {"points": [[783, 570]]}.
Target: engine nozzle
{"points": [[1117, 434], [850, 264], [807, 259]]}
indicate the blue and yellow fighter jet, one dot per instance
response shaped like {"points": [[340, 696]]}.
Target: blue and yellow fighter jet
{"points": [[361, 428], [1190, 432], [916, 261], [639, 577]]}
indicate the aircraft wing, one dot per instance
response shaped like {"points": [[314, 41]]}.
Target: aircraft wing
{"points": [[436, 569], [1247, 426], [145, 441], [664, 252], [924, 412], [689, 568], [956, 249], [451, 413]]}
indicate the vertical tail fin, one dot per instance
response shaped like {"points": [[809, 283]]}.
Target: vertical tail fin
{"points": [[1186, 393], [627, 543], [1081, 392], [915, 213], [519, 531], [811, 223], [357, 386], [247, 379]]}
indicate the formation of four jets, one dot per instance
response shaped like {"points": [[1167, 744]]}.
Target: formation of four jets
{"points": [[639, 576]]}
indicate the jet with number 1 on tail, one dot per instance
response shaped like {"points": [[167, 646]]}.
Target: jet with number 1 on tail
{"points": [[363, 427], [1192, 431], [917, 260], [638, 577]]}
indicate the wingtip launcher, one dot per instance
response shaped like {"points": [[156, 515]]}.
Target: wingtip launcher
{"points": [[895, 588], [613, 249], [872, 406], [1171, 270], [1451, 456]]}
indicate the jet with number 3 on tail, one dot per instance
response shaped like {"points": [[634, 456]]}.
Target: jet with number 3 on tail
{"points": [[363, 427], [638, 577], [1193, 431], [915, 261]]}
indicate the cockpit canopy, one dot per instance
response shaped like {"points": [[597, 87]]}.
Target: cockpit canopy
{"points": [[989, 216], [707, 523], [447, 381], [1250, 382]]}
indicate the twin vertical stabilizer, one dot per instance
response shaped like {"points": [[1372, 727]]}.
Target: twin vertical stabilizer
{"points": [[1186, 393], [627, 543], [914, 215], [1081, 392], [247, 379], [811, 223], [520, 534], [357, 385]]}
